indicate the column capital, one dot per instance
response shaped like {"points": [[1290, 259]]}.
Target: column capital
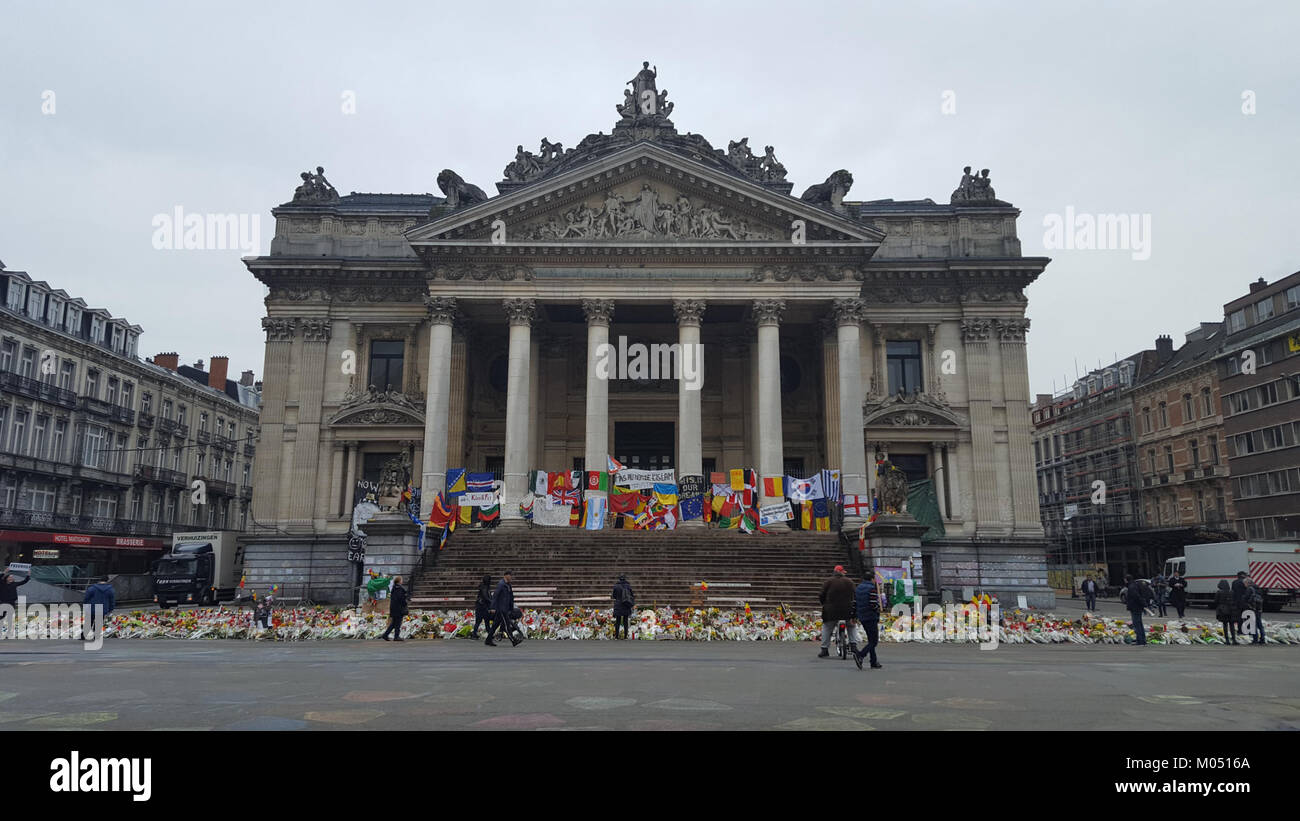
{"points": [[598, 311], [442, 309], [1011, 330], [848, 311], [279, 328], [315, 330], [767, 311], [878, 332], [975, 329], [520, 311], [689, 311]]}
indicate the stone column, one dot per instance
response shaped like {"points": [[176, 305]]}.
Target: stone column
{"points": [[880, 377], [267, 472], [939, 472], [831, 389], [350, 489], [599, 312], [442, 314], [690, 449], [733, 404], [306, 451], [336, 479], [458, 396], [521, 313], [853, 447], [1015, 386], [975, 336], [771, 461]]}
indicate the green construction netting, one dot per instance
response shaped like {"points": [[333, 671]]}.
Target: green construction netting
{"points": [[924, 507]]}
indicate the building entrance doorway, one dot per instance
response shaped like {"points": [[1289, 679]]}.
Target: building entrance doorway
{"points": [[644, 445]]}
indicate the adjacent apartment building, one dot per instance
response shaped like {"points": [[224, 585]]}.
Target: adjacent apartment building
{"points": [[100, 450], [1259, 370]]}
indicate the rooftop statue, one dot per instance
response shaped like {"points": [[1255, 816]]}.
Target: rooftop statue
{"points": [[831, 192], [974, 189], [458, 191], [315, 188]]}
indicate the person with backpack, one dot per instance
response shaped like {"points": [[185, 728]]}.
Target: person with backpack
{"points": [[1255, 603], [482, 604], [868, 609], [624, 601], [1226, 612]]}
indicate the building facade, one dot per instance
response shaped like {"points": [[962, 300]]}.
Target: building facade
{"points": [[100, 450], [463, 331], [1259, 373]]}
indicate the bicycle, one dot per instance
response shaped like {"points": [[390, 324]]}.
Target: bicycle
{"points": [[844, 643]]}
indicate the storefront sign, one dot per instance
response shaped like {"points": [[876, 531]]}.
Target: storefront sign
{"points": [[71, 538], [45, 554]]}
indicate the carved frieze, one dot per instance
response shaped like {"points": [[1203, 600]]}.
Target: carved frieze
{"points": [[481, 272], [647, 214], [379, 293]]}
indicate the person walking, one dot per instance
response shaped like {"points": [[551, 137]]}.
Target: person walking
{"points": [[1178, 592], [1161, 588], [396, 610], [482, 604], [262, 613], [102, 594], [503, 605], [1090, 591], [837, 605], [1240, 595], [624, 601], [1226, 612], [1255, 604], [868, 608], [9, 596], [1137, 596]]}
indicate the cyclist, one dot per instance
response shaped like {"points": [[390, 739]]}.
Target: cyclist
{"points": [[837, 605], [868, 606]]}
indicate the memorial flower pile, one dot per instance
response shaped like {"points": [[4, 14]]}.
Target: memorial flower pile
{"points": [[648, 624]]}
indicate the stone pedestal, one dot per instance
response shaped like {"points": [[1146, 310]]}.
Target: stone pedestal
{"points": [[393, 545], [893, 538]]}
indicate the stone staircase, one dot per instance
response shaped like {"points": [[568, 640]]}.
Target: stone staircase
{"points": [[557, 567]]}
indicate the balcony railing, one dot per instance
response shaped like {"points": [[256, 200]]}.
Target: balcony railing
{"points": [[101, 476], [183, 430], [248, 449], [224, 442], [122, 414], [246, 492], [99, 525], [202, 436], [161, 476], [144, 419], [96, 407], [220, 487], [166, 425], [36, 389]]}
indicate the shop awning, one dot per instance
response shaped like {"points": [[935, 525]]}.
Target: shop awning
{"points": [[83, 540]]}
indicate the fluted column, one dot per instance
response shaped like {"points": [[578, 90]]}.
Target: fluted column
{"points": [[457, 396], [939, 474], [442, 314], [975, 336], [771, 453], [599, 312], [303, 492], [1015, 386], [350, 489], [853, 447], [269, 471], [690, 384], [831, 389], [521, 313], [336, 478]]}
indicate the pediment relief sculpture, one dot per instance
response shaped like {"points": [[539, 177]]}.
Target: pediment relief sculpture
{"points": [[917, 409], [648, 213]]}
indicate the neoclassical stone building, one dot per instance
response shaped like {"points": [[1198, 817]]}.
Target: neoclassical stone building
{"points": [[458, 331]]}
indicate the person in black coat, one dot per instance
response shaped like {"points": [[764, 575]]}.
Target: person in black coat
{"points": [[503, 602], [624, 601], [1090, 591], [1137, 597], [1240, 598], [1255, 606], [9, 588], [396, 610], [482, 604], [1178, 593], [1226, 612]]}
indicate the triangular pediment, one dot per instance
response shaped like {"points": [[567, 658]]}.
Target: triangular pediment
{"points": [[644, 194]]}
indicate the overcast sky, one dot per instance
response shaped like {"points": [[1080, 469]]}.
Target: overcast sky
{"points": [[1120, 108]]}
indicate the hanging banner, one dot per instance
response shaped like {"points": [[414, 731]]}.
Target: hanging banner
{"points": [[691, 486], [634, 479], [779, 512], [476, 499]]}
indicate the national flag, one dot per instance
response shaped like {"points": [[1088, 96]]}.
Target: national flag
{"points": [[773, 487], [466, 514], [566, 496], [612, 465], [440, 513], [597, 480], [805, 515], [594, 518], [242, 579], [479, 482], [737, 479], [406, 494], [575, 515], [420, 546], [831, 484], [446, 533], [749, 522], [489, 514], [729, 516], [624, 502], [525, 509], [556, 481], [665, 494], [456, 482], [801, 490], [857, 505], [821, 512], [692, 508], [537, 482]]}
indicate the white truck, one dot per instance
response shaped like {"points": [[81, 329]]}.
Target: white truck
{"points": [[203, 568], [1274, 567]]}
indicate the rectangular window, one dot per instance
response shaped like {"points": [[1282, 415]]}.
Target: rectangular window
{"points": [[386, 359], [1195, 453], [1169, 458], [8, 349], [18, 438], [1189, 409], [111, 394], [146, 402], [1146, 420], [68, 375], [1236, 321], [1213, 442], [92, 384], [40, 431], [1293, 297], [203, 421], [56, 442], [26, 365], [128, 395], [903, 358], [1164, 415], [167, 409], [1264, 309], [1207, 403], [38, 496], [170, 515], [93, 451]]}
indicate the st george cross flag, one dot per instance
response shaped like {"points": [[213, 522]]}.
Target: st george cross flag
{"points": [[456, 482], [857, 505], [773, 487]]}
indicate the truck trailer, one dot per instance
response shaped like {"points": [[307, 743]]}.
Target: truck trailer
{"points": [[202, 568], [1274, 567]]}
